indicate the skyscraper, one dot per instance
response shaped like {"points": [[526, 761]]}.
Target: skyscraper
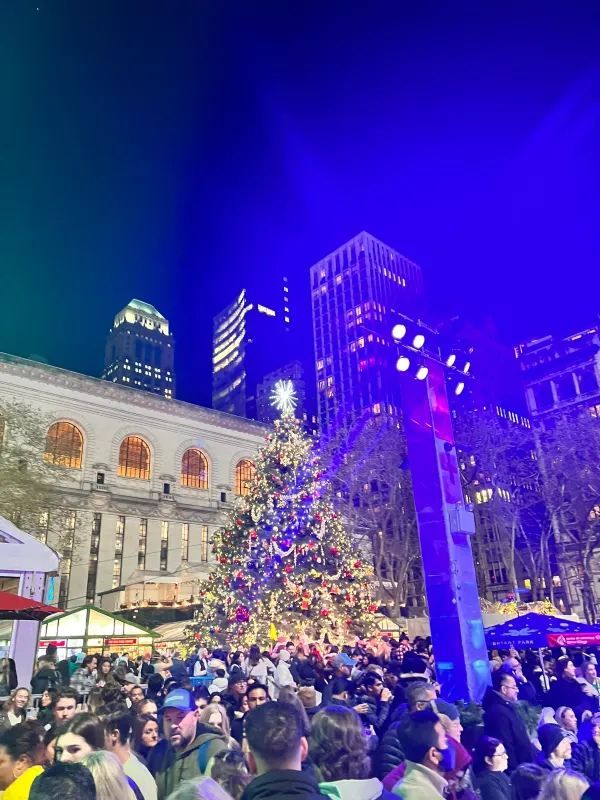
{"points": [[250, 339], [140, 350], [355, 292]]}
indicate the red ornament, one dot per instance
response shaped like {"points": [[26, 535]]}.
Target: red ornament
{"points": [[325, 612], [334, 551], [288, 568], [357, 564], [373, 608]]}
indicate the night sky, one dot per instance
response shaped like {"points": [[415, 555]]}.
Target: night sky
{"points": [[173, 151]]}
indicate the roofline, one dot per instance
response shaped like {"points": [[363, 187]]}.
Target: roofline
{"points": [[130, 394], [353, 239], [92, 607]]}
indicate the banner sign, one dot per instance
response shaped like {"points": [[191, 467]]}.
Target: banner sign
{"points": [[119, 642], [573, 639]]}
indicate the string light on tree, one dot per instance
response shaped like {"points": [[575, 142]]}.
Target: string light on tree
{"points": [[284, 397], [284, 561]]}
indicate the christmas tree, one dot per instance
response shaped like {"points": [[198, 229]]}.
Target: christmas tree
{"points": [[285, 564]]}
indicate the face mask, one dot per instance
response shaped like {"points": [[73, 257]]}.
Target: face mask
{"points": [[447, 760]]}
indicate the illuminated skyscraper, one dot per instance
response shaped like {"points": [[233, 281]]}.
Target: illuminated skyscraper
{"points": [[355, 292], [250, 339], [140, 350]]}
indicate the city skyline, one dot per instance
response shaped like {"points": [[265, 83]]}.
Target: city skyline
{"points": [[205, 166]]}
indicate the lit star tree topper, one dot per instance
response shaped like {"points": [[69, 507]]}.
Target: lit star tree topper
{"points": [[284, 397]]}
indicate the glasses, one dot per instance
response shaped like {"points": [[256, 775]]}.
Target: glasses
{"points": [[500, 755]]}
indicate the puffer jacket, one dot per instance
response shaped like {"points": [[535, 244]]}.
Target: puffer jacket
{"points": [[389, 753]]}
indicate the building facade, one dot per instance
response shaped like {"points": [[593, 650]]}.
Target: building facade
{"points": [[355, 292], [562, 378], [250, 339], [144, 481], [140, 350], [561, 374], [305, 408]]}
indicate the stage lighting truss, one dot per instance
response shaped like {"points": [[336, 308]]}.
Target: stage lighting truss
{"points": [[419, 344]]}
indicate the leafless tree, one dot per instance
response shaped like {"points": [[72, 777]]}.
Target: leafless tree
{"points": [[368, 469]]}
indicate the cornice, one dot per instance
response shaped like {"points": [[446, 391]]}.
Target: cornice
{"points": [[49, 376]]}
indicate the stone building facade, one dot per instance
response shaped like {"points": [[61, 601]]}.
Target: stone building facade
{"points": [[147, 480]]}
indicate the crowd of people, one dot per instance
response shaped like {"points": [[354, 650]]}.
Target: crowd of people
{"points": [[300, 721]]}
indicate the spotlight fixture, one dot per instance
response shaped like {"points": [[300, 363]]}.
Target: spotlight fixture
{"points": [[398, 332], [467, 367], [459, 389], [451, 360], [418, 341], [403, 364], [422, 373]]}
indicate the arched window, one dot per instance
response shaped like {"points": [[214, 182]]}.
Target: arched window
{"points": [[134, 458], [244, 473], [64, 445], [194, 469]]}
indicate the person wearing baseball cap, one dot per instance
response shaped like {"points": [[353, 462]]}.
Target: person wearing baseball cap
{"points": [[189, 746]]}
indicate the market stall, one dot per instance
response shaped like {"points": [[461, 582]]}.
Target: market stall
{"points": [[94, 630]]}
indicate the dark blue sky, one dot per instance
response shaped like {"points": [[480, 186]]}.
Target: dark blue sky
{"points": [[172, 151]]}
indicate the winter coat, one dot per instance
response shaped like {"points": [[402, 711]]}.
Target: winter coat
{"points": [[192, 762], [45, 678], [389, 753], [585, 758], [564, 692], [368, 789], [494, 785], [377, 713], [283, 677], [283, 784], [83, 681], [420, 783], [501, 720], [258, 671]]}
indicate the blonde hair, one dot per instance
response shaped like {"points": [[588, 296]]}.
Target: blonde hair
{"points": [[563, 784], [200, 789], [212, 708], [108, 775]]}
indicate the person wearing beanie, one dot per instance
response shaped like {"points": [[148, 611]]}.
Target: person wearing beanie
{"points": [[556, 747]]}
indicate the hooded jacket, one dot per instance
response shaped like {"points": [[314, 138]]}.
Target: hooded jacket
{"points": [[368, 789], [181, 765], [389, 753], [283, 784], [500, 720]]}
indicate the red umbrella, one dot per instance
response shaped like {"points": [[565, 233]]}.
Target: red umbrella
{"points": [[15, 607]]}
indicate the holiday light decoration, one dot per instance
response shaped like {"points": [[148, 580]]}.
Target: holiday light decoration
{"points": [[284, 397], [284, 561]]}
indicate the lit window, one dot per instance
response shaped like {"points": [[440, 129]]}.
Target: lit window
{"points": [[361, 341], [134, 458], [377, 408], [194, 469], [64, 445], [244, 474]]}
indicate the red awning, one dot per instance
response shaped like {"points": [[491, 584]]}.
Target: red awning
{"points": [[13, 606]]}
